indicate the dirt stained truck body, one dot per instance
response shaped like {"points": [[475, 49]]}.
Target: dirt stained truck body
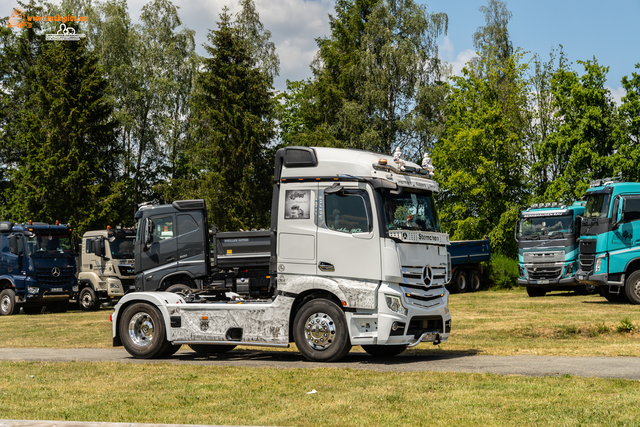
{"points": [[355, 256]]}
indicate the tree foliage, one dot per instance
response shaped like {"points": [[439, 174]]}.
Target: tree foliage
{"points": [[233, 112]]}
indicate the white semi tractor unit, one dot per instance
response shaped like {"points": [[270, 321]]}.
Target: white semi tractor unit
{"points": [[354, 256]]}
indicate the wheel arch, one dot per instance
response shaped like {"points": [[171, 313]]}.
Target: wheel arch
{"points": [[632, 265], [6, 283], [179, 277], [304, 298], [159, 300]]}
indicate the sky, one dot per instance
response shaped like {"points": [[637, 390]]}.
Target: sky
{"points": [[608, 31]]}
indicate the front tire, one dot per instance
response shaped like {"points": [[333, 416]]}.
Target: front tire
{"points": [[142, 331], [87, 299], [179, 287], [533, 291], [7, 302], [632, 287], [320, 331], [620, 297], [384, 350]]}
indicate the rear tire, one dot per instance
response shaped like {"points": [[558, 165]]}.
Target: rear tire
{"points": [[384, 350], [142, 331], [320, 331], [475, 281], [460, 283], [87, 299], [7, 302], [632, 287], [533, 291], [211, 349]]}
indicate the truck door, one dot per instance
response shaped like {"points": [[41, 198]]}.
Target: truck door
{"points": [[191, 243], [160, 256], [626, 236], [12, 264], [348, 237], [296, 246]]}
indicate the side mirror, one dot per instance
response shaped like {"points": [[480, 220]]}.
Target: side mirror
{"points": [[97, 247], [13, 245], [515, 233], [148, 232]]}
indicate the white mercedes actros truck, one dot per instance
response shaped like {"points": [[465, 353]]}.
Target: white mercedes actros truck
{"points": [[354, 256]]}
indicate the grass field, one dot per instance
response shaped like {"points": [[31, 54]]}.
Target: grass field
{"points": [[501, 323]]}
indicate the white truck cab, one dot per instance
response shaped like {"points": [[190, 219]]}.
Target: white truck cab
{"points": [[355, 256]]}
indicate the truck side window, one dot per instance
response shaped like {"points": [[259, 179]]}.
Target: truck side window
{"points": [[88, 246], [186, 224], [162, 228], [631, 209], [348, 211]]}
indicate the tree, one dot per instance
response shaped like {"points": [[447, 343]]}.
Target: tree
{"points": [[233, 125], [59, 143], [481, 161], [629, 151], [374, 79], [588, 132]]}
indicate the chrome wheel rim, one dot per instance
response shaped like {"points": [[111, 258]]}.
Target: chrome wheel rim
{"points": [[5, 303], [86, 300], [141, 329], [320, 331]]}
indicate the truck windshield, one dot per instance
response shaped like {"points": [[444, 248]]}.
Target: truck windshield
{"points": [[122, 248], [534, 228], [597, 205], [49, 244], [410, 210]]}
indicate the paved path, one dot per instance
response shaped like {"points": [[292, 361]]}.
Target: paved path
{"points": [[601, 367]]}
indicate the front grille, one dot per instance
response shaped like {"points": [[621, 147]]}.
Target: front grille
{"points": [[586, 261], [587, 246], [45, 276], [541, 273], [418, 325], [412, 277], [126, 270]]}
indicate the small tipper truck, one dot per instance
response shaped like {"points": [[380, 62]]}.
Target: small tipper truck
{"points": [[106, 267], [354, 256], [610, 240], [37, 267], [466, 259], [548, 236]]}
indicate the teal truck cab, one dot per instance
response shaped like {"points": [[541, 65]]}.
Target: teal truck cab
{"points": [[547, 236], [37, 267], [610, 240]]}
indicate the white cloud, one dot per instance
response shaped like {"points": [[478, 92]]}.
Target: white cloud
{"points": [[617, 94], [447, 53]]}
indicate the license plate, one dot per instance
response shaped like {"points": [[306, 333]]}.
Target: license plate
{"points": [[56, 290], [542, 282], [132, 287], [581, 277], [429, 337]]}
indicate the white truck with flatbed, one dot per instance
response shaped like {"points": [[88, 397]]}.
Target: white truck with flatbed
{"points": [[354, 256]]}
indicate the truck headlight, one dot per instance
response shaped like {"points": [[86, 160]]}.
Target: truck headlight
{"points": [[598, 263], [569, 270], [395, 304], [114, 286], [33, 290], [74, 288]]}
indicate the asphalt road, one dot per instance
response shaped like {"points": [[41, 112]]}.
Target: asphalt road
{"points": [[537, 366]]}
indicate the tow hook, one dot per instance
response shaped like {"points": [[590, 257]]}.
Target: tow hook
{"points": [[437, 340]]}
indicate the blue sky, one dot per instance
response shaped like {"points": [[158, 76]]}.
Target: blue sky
{"points": [[610, 31]]}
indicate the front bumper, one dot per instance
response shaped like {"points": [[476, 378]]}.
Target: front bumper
{"points": [[602, 279], [386, 327], [549, 283]]}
